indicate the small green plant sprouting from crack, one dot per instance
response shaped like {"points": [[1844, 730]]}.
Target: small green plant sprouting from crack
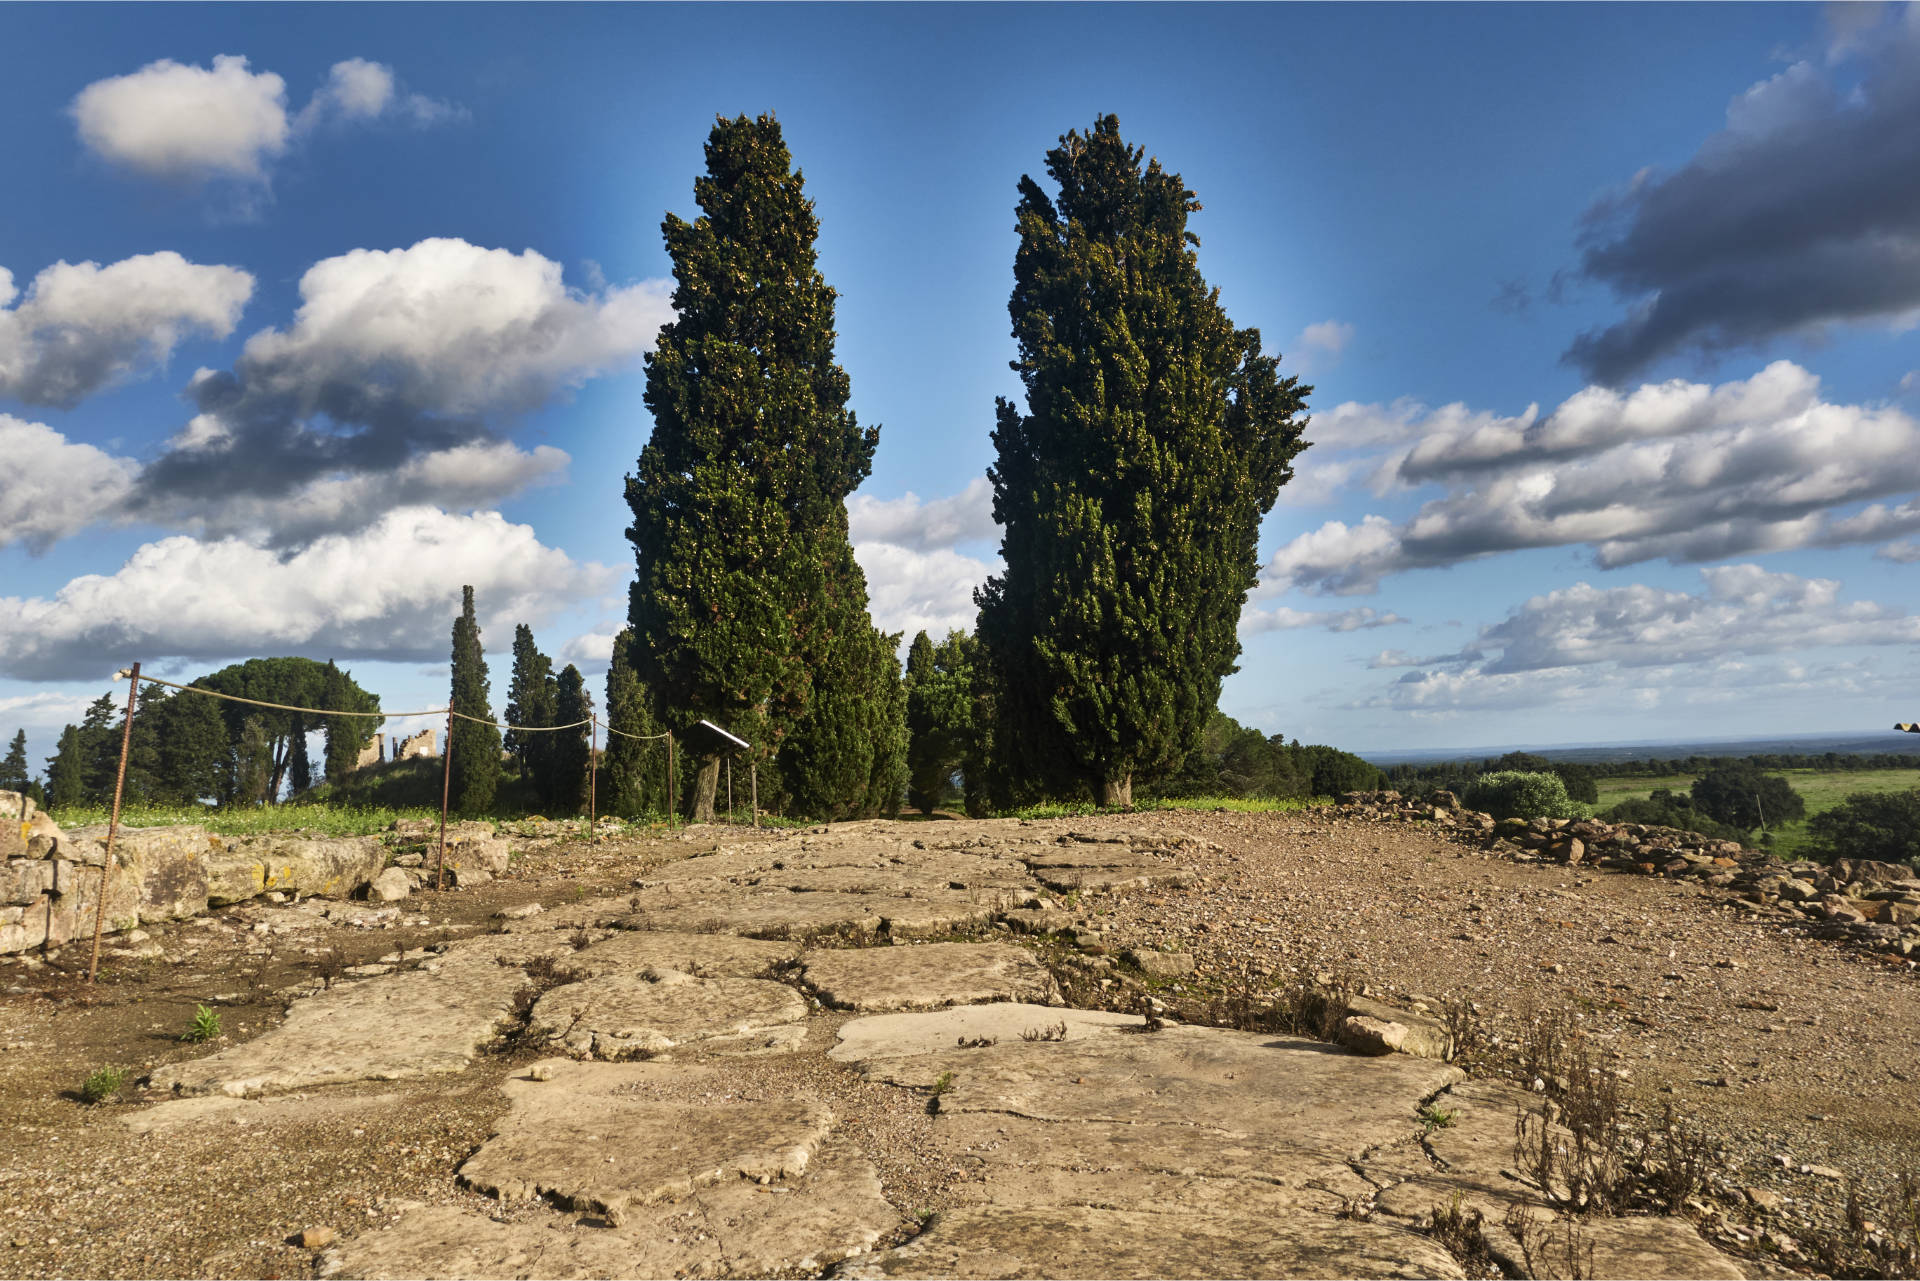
{"points": [[925, 1217], [942, 1084], [1435, 1118], [102, 1084], [205, 1026]]}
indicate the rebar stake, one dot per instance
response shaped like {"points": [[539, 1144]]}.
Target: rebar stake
{"points": [[113, 824]]}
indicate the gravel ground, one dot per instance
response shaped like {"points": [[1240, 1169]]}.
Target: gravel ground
{"points": [[1793, 1053], [1790, 1052]]}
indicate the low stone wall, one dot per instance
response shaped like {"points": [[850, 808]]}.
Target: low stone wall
{"points": [[50, 879]]}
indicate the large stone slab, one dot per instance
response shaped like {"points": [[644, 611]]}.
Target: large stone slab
{"points": [[1286, 1090], [926, 976], [706, 955], [589, 1137], [411, 1023], [907, 1036], [735, 1228], [1246, 1236], [628, 1015]]}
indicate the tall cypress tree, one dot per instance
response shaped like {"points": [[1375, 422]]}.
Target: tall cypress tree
{"points": [[347, 736], [299, 765], [530, 701], [563, 781], [13, 770], [738, 499], [67, 771], [1130, 490], [475, 767], [834, 761], [939, 689], [635, 770], [100, 748]]}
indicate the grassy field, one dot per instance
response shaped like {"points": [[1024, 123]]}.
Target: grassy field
{"points": [[322, 820], [1821, 789]]}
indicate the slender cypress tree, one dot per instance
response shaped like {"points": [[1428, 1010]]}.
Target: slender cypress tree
{"points": [[67, 771], [1130, 491], [530, 702], [253, 763], [635, 770], [939, 688], [563, 783], [100, 748], [739, 496], [347, 736], [299, 766], [13, 770], [834, 761], [475, 766]]}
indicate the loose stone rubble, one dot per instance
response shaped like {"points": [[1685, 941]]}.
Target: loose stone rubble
{"points": [[1870, 904], [1084, 1143]]}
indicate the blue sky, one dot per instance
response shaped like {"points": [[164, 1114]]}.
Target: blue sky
{"points": [[315, 313]]}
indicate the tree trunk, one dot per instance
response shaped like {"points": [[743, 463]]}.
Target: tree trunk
{"points": [[1117, 793], [704, 784]]}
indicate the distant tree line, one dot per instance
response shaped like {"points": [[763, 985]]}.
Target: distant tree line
{"points": [[1838, 762], [1582, 781], [188, 748]]}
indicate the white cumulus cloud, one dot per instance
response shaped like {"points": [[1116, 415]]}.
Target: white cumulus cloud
{"points": [[170, 120], [1646, 644], [180, 122], [396, 370], [387, 592], [54, 487], [1681, 471], [908, 521], [80, 326], [1281, 618]]}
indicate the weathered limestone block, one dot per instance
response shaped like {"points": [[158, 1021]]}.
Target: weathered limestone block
{"points": [[43, 835], [243, 867], [24, 880], [15, 812], [1373, 1028]]}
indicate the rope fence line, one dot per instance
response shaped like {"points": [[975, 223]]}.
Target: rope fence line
{"points": [[592, 722]]}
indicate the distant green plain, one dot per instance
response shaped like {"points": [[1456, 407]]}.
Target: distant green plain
{"points": [[1821, 789]]}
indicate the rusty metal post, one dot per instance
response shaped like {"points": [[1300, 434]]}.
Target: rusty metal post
{"points": [[729, 789], [446, 790], [593, 779], [113, 824], [753, 774], [673, 782]]}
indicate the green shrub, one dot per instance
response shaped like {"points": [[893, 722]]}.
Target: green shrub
{"points": [[1518, 794], [102, 1085], [205, 1026], [1884, 826]]}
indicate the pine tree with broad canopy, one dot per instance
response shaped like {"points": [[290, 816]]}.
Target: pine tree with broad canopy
{"points": [[1131, 489], [746, 586]]}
